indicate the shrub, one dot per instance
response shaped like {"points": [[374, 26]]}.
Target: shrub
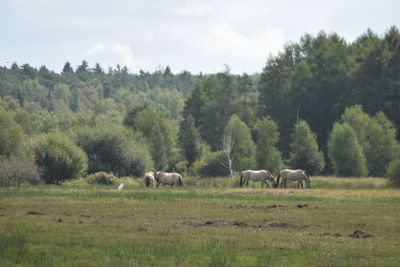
{"points": [[267, 154], [17, 171], [214, 165], [304, 149], [59, 158], [393, 172], [345, 153], [116, 150], [182, 166], [194, 170], [243, 147], [11, 135], [103, 178]]}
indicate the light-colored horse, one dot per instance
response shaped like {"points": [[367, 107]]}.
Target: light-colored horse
{"points": [[257, 176], [293, 175], [148, 179], [167, 178]]}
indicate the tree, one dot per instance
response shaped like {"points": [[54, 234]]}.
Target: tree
{"points": [[382, 146], [268, 157], [304, 150], [190, 139], [115, 149], [345, 152], [243, 147], [82, 71], [377, 137], [227, 147], [67, 69], [59, 158], [11, 135], [158, 130]]}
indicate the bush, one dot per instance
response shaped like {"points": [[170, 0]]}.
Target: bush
{"points": [[11, 135], [304, 150], [182, 166], [213, 166], [345, 153], [103, 178], [393, 172], [17, 171], [59, 158], [116, 150]]}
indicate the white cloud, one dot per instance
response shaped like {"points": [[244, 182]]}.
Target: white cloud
{"points": [[112, 53], [223, 39], [223, 10]]}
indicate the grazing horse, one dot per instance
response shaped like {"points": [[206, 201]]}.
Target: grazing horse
{"points": [[293, 175], [167, 178], [261, 175], [148, 179]]}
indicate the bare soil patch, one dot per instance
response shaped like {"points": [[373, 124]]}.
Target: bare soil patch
{"points": [[219, 223], [261, 207], [360, 234], [34, 213], [356, 234]]}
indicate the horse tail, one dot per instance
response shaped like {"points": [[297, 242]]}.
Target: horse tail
{"points": [[180, 181], [309, 179], [277, 180], [147, 181], [241, 179]]}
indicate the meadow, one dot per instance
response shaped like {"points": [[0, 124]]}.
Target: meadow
{"points": [[208, 222]]}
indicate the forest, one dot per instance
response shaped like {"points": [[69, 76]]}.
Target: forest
{"points": [[322, 104]]}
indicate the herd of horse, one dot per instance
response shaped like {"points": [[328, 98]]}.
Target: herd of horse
{"points": [[263, 176]]}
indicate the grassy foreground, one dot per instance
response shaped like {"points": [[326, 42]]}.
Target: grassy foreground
{"points": [[209, 222]]}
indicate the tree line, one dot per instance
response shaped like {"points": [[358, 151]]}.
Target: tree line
{"points": [[322, 104]]}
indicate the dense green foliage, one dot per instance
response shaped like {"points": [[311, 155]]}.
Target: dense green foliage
{"points": [[11, 135], [304, 150], [377, 137], [59, 158], [393, 172], [190, 139], [268, 157], [114, 149], [215, 165], [183, 117], [345, 152], [243, 147]]}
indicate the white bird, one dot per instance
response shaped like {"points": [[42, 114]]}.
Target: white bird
{"points": [[120, 187]]}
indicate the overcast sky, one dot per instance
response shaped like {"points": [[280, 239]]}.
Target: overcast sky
{"points": [[199, 36]]}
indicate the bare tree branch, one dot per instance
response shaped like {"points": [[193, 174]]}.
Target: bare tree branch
{"points": [[227, 145]]}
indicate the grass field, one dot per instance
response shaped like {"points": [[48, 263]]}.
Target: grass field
{"points": [[209, 222]]}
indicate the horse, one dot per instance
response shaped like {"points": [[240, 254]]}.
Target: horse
{"points": [[167, 178], [148, 179], [294, 175], [261, 175]]}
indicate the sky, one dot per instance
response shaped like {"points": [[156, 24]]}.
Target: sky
{"points": [[197, 36]]}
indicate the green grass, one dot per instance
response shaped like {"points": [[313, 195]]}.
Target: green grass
{"points": [[86, 225]]}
